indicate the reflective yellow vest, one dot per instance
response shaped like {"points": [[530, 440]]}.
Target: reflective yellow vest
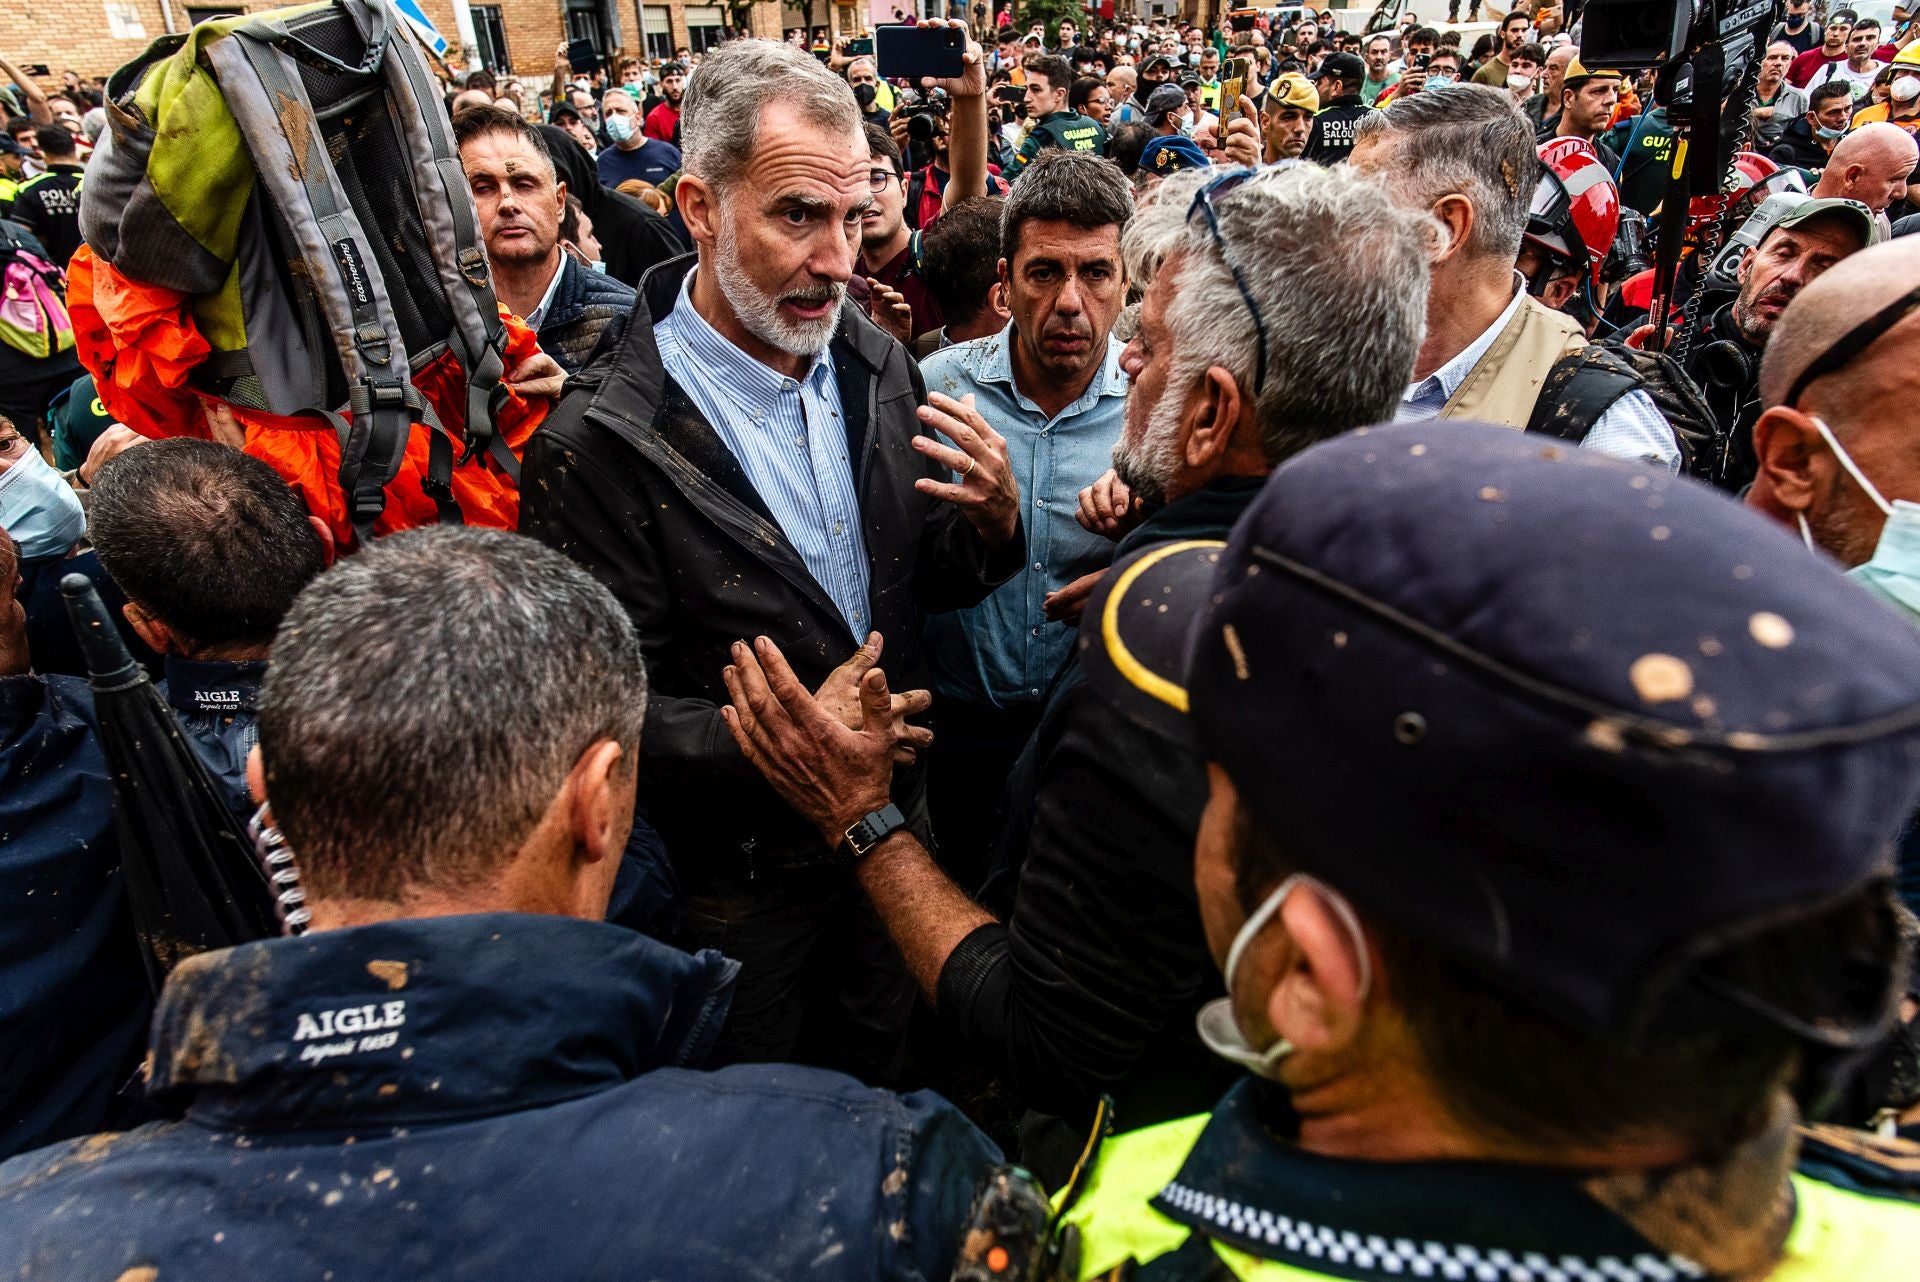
{"points": [[1837, 1235], [9, 188]]}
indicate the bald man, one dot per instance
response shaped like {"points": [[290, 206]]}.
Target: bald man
{"points": [[1866, 403], [1866, 406], [1871, 165]]}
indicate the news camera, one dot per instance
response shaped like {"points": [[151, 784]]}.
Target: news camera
{"points": [[1705, 56]]}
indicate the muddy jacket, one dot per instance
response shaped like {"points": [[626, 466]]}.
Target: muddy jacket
{"points": [[628, 479], [73, 994], [486, 1097]]}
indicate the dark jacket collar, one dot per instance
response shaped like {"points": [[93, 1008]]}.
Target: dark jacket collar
{"points": [[428, 1019], [1207, 513], [632, 383], [1245, 1185], [214, 685]]}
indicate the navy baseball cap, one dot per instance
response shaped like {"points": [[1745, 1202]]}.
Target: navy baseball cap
{"points": [[1170, 155], [1571, 721], [1347, 66]]}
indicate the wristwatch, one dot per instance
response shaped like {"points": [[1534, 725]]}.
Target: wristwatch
{"points": [[873, 828]]}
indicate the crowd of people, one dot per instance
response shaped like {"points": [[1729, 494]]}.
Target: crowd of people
{"points": [[1146, 660]]}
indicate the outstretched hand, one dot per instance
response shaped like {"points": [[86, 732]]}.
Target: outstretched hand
{"points": [[829, 772], [985, 490]]}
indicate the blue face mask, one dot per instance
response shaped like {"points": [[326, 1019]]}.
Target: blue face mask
{"points": [[1893, 572], [1825, 132], [39, 509], [1439, 80], [619, 127]]}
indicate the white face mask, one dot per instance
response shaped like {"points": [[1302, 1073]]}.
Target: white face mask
{"points": [[1520, 84], [1215, 1022], [1905, 88], [1893, 572]]}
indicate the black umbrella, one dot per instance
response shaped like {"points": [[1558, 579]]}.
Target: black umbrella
{"points": [[193, 881]]}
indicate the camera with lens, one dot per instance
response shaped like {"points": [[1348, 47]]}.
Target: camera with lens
{"points": [[923, 119]]}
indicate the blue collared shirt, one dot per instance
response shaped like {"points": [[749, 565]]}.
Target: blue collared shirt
{"points": [[791, 442], [1004, 651], [1632, 427]]}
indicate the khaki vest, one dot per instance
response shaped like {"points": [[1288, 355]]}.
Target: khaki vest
{"points": [[1837, 1235], [1504, 384]]}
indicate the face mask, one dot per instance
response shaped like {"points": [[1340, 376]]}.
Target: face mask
{"points": [[1520, 84], [39, 509], [1186, 125], [1893, 572], [600, 266], [1905, 88], [619, 128], [1215, 1022], [1439, 80], [1825, 132]]}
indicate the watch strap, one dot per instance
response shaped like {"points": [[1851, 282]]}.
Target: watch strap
{"points": [[871, 829]]}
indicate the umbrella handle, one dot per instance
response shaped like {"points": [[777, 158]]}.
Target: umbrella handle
{"points": [[110, 665]]}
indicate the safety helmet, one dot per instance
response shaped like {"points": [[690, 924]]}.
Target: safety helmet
{"points": [[1754, 179], [1576, 207]]}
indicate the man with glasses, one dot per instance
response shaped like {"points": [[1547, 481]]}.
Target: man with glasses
{"points": [[1085, 976]]}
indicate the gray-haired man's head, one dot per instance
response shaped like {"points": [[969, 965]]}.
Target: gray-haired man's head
{"points": [[1233, 371], [443, 702], [1445, 149], [776, 177]]}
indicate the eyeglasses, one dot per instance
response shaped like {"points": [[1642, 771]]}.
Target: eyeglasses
{"points": [[877, 180], [1204, 202], [1853, 342]]}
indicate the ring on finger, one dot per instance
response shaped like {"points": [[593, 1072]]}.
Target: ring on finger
{"points": [[971, 464]]}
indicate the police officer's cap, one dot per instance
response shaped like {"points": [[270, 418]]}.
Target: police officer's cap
{"points": [[1569, 720]]}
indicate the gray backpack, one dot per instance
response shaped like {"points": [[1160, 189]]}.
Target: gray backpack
{"points": [[333, 248]]}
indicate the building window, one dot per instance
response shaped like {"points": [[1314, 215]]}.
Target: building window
{"points": [[706, 23], [656, 25], [197, 14], [490, 33]]}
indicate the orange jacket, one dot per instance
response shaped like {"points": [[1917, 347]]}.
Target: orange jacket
{"points": [[141, 344]]}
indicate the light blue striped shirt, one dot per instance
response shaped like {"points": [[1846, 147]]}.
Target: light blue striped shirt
{"points": [[1631, 428], [791, 442]]}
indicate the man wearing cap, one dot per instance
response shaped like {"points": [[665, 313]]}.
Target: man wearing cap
{"points": [[1585, 108], [1490, 347], [1337, 81], [12, 171], [1725, 360], [1562, 1036], [663, 122], [1168, 155], [1050, 122], [1081, 971], [1287, 116], [1166, 112]]}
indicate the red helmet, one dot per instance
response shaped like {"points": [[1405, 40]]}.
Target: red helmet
{"points": [[1754, 179], [1576, 207]]}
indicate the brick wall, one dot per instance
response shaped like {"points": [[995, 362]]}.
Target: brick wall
{"points": [[79, 34]]}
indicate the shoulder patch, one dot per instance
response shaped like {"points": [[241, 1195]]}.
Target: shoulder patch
{"points": [[1861, 1161]]}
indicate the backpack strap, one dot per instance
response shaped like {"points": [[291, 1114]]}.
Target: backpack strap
{"points": [[479, 337], [1579, 389]]}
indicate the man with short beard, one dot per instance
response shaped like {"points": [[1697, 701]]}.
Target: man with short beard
{"points": [[1083, 978], [756, 459], [1725, 360]]}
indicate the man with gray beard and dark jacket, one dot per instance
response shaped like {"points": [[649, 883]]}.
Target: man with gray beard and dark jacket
{"points": [[757, 458]]}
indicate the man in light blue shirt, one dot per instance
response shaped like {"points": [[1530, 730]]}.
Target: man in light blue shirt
{"points": [[1051, 384]]}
